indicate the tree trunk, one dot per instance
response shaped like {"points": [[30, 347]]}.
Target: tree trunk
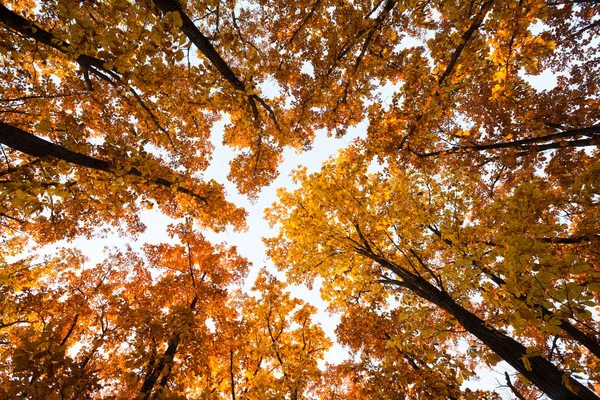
{"points": [[29, 29], [165, 360], [32, 145], [202, 42], [542, 373], [588, 341]]}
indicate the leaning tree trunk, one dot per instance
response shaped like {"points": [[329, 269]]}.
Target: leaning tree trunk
{"points": [[541, 372], [165, 361], [25, 142], [588, 341]]}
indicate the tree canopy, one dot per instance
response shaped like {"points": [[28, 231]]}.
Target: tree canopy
{"points": [[461, 229]]}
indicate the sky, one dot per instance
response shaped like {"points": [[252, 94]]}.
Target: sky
{"points": [[249, 243]]}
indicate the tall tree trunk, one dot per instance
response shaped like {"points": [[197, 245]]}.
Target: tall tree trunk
{"points": [[30, 29], [541, 372], [205, 46], [165, 360], [32, 145], [202, 42], [586, 340]]}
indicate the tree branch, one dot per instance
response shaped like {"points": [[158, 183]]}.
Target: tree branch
{"points": [[304, 21], [512, 388], [231, 374], [389, 5], [477, 21], [536, 144], [9, 324], [88, 63], [165, 360], [32, 145], [575, 333]]}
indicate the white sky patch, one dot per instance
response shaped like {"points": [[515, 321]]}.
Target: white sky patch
{"points": [[269, 88], [492, 379], [96, 140], [375, 166], [384, 94], [74, 349], [249, 244], [308, 69], [210, 325], [544, 81]]}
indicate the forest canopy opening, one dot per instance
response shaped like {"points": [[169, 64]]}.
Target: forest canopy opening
{"points": [[459, 228]]}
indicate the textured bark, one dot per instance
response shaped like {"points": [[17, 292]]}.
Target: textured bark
{"points": [[545, 375], [32, 145], [202, 42], [165, 360], [586, 340], [532, 144], [29, 29]]}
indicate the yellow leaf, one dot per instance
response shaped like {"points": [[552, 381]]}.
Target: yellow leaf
{"points": [[177, 21], [526, 363]]}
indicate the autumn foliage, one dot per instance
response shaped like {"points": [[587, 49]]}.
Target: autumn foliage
{"points": [[460, 230]]}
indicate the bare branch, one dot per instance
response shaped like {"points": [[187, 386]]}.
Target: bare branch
{"points": [[512, 388]]}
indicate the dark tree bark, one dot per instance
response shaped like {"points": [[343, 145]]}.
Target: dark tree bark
{"points": [[532, 144], [89, 64], [542, 373], [201, 42], [586, 340], [512, 387], [465, 38], [231, 377], [477, 21], [32, 145], [166, 359], [29, 29], [209, 51]]}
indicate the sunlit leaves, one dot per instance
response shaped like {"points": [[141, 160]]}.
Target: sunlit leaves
{"points": [[77, 329], [471, 177], [510, 259]]}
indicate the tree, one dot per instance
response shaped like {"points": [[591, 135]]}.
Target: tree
{"points": [[464, 106], [458, 92], [162, 328], [391, 245], [107, 107], [123, 151]]}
